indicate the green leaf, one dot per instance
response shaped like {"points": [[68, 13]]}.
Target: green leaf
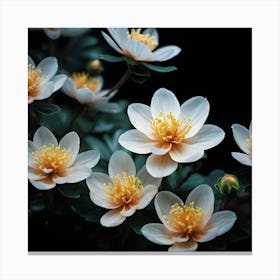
{"points": [[193, 181], [162, 69], [137, 221], [112, 58], [69, 190], [47, 108], [97, 144]]}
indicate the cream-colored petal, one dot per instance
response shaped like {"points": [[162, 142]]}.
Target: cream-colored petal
{"points": [[188, 246], [71, 141], [102, 200], [147, 179], [46, 90], [165, 53], [242, 158], [160, 166], [112, 218], [137, 51], [163, 203], [119, 163], [164, 101], [196, 109], [145, 196], [74, 175], [43, 136], [48, 67], [157, 233], [183, 152], [203, 197], [35, 174], [240, 134], [128, 211], [88, 158], [220, 223]]}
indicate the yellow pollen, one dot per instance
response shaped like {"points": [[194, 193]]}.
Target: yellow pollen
{"points": [[185, 218], [123, 188], [82, 80], [168, 129], [34, 80], [52, 157], [150, 41]]}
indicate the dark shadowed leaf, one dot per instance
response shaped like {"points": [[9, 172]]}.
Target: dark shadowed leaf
{"points": [[162, 69]]}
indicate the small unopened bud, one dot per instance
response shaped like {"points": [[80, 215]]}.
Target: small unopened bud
{"points": [[226, 183], [95, 64]]}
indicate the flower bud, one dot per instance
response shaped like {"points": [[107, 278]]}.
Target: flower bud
{"points": [[95, 64], [226, 183]]}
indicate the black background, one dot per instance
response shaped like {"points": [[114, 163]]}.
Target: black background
{"points": [[214, 63]]}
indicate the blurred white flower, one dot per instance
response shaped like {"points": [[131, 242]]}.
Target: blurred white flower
{"points": [[171, 133], [51, 163], [123, 191], [87, 90], [42, 81], [55, 33], [186, 224], [243, 138], [139, 46]]}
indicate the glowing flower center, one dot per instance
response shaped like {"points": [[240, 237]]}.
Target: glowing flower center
{"points": [[147, 39], [52, 158], [185, 218], [170, 130], [123, 189], [34, 80], [82, 80]]}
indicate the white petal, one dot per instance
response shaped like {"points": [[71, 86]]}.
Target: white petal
{"points": [[152, 32], [42, 185], [71, 141], [190, 245], [52, 34], [30, 61], [119, 35], [164, 101], [112, 218], [48, 67], [31, 149], [206, 138], [157, 233], [165, 53], [145, 196], [121, 162], [240, 134], [74, 175], [220, 223], [35, 174], [250, 129], [46, 90], [242, 158], [137, 51], [58, 81], [163, 202], [111, 42], [147, 179], [43, 136], [69, 88], [160, 166], [88, 158], [140, 117], [135, 141], [128, 211], [85, 96], [96, 183], [203, 197], [184, 152], [196, 109]]}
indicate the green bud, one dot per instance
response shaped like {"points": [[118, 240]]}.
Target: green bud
{"points": [[226, 183]]}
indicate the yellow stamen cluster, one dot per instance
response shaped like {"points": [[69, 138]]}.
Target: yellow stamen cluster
{"points": [[123, 189], [83, 80], [185, 218], [34, 80], [249, 142], [168, 129], [51, 157], [147, 39]]}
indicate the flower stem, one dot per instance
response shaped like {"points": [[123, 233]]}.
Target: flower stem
{"points": [[120, 83]]}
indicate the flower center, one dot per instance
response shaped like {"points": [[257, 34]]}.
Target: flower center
{"points": [[185, 218], [168, 129], [150, 41], [51, 158], [82, 80], [123, 189], [34, 80]]}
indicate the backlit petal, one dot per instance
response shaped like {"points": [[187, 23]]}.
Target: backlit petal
{"points": [[165, 53], [190, 245], [71, 141], [242, 158], [43, 136], [112, 218], [240, 134]]}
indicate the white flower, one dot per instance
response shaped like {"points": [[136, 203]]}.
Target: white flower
{"points": [[42, 81], [55, 33], [243, 138], [171, 133], [186, 224], [139, 47], [123, 191], [87, 90], [51, 163]]}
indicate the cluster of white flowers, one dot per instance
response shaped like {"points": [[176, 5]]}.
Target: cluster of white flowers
{"points": [[169, 132]]}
